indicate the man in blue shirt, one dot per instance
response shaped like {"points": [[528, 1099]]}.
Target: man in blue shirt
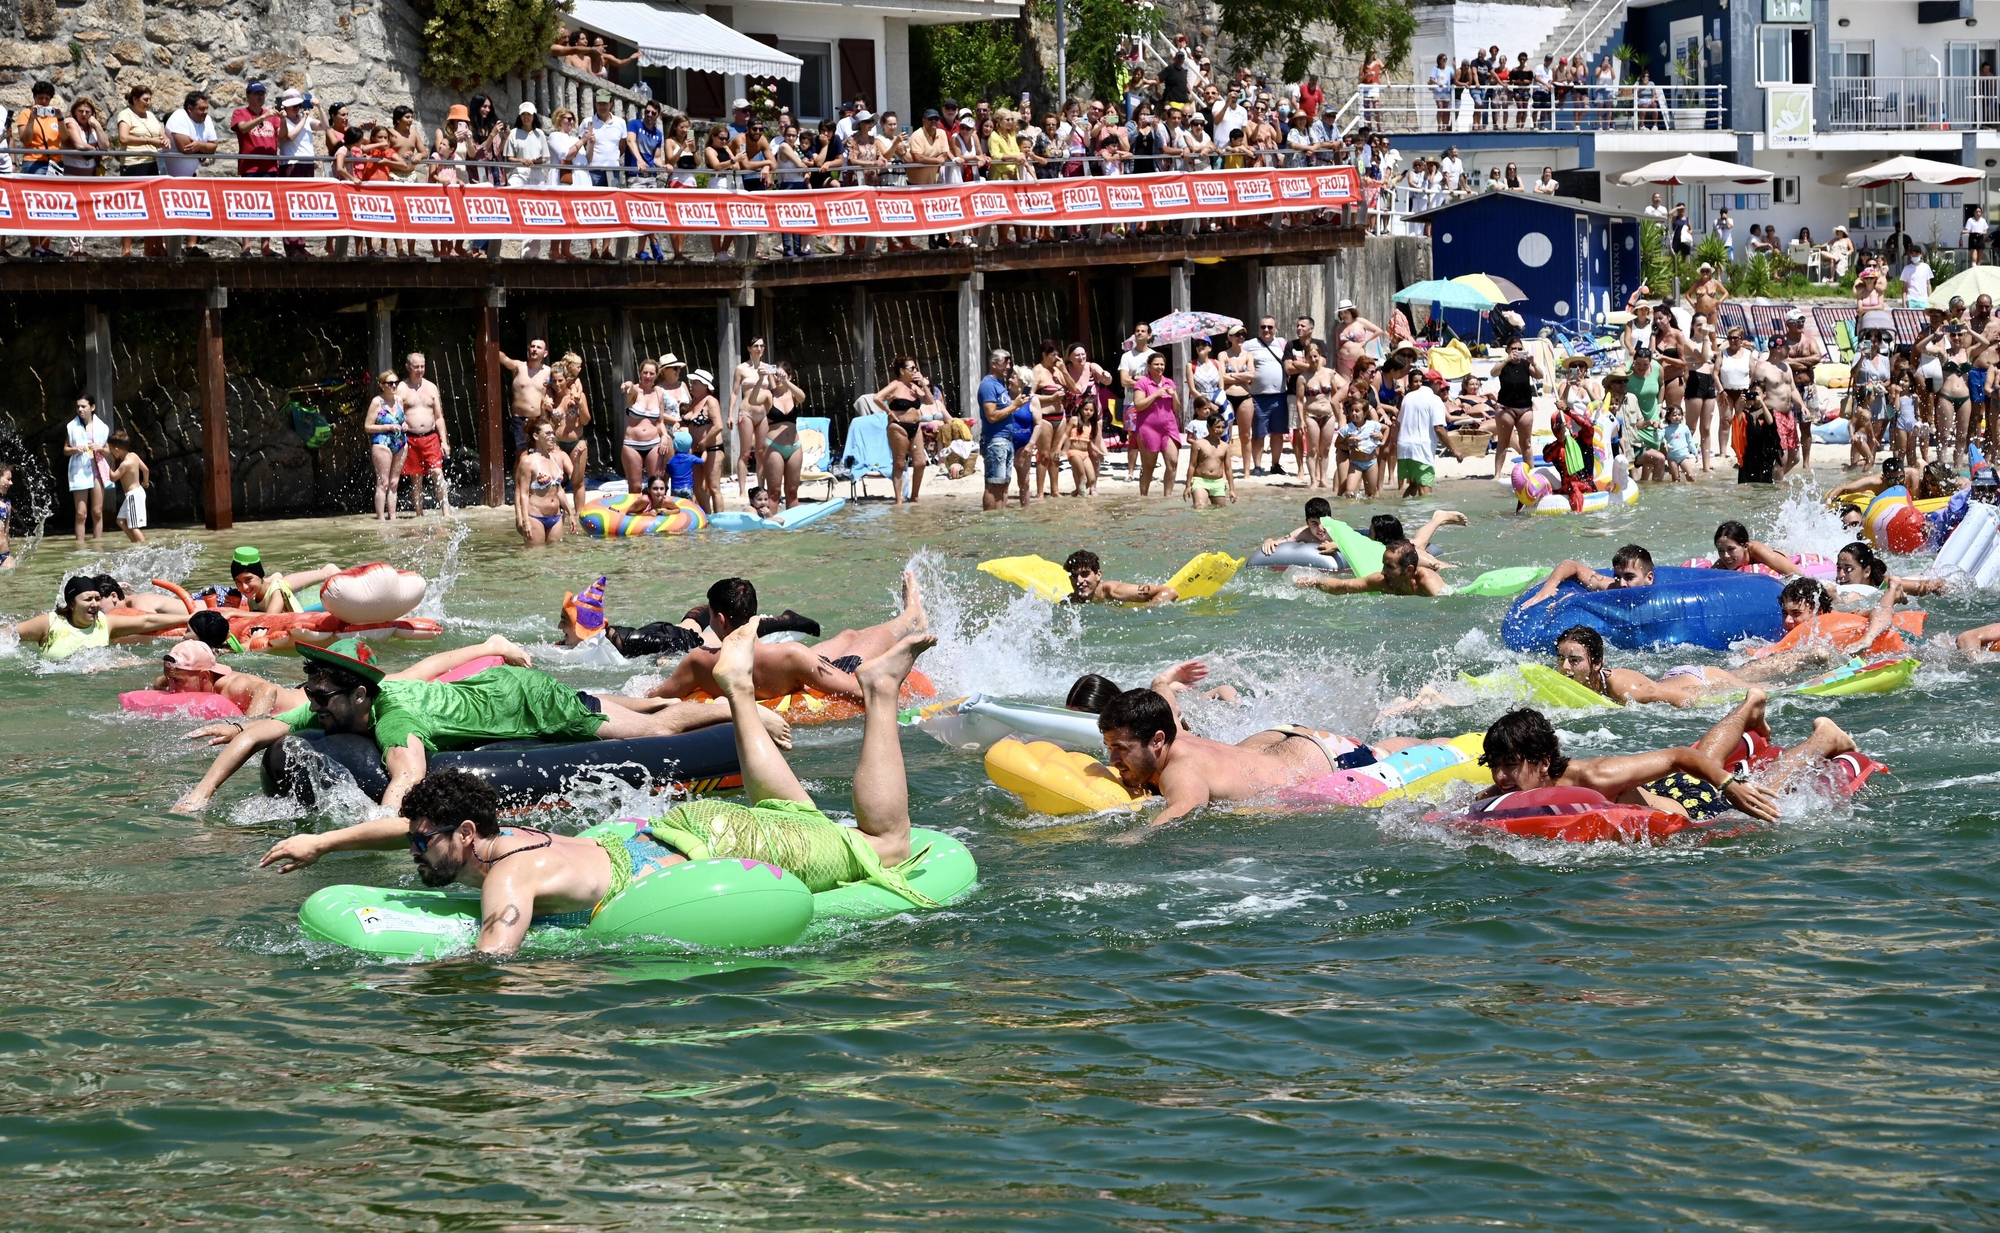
{"points": [[642, 156], [1003, 403]]}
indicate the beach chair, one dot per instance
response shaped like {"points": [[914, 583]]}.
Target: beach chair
{"points": [[1836, 326], [1910, 325], [813, 431], [1765, 321], [1732, 317], [866, 450]]}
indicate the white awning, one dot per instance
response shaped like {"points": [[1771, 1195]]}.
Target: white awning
{"points": [[670, 36]]}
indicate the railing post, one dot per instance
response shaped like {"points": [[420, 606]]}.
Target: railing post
{"points": [[490, 388], [211, 391], [381, 337]]}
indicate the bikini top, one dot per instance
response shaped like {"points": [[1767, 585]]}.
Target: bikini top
{"points": [[1953, 368], [903, 404], [638, 412], [543, 481], [782, 415]]}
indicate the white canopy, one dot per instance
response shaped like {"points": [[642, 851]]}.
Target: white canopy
{"points": [[1904, 167], [670, 36], [1694, 169]]}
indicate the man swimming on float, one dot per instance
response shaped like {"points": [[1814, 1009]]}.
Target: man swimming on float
{"points": [[1088, 584], [1524, 753], [1382, 528], [259, 593], [1403, 573], [788, 667], [190, 667], [411, 714], [582, 619], [521, 872], [1631, 566]]}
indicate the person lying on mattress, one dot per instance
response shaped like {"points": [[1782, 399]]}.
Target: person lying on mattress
{"points": [[582, 618], [522, 872], [412, 715], [1631, 566], [1403, 573], [789, 667]]}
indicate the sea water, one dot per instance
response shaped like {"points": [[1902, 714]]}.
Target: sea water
{"points": [[1342, 1019]]}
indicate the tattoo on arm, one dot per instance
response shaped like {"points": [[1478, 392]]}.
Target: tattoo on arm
{"points": [[508, 916]]}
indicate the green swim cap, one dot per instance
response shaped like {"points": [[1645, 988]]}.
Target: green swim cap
{"points": [[247, 556]]}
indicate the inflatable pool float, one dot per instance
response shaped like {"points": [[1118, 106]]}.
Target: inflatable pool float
{"points": [[1581, 815], [1861, 677], [1925, 505], [810, 706], [1973, 550], [977, 722], [1844, 630], [372, 592], [371, 595], [308, 764], [186, 705], [1811, 564], [1699, 607], [714, 904], [1893, 522], [1504, 582], [1540, 684], [612, 518], [1361, 553], [801, 515], [1056, 781], [1540, 486], [1417, 772], [1292, 553], [1198, 579]]}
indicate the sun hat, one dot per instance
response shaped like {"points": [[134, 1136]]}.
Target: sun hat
{"points": [[702, 376], [350, 654], [458, 113], [670, 360]]}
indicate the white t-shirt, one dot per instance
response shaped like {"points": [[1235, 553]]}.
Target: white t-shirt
{"points": [[300, 148], [1270, 362], [183, 124], [533, 143], [83, 467], [1454, 172], [606, 138], [1917, 279], [1231, 119], [1418, 421], [561, 146], [1132, 364]]}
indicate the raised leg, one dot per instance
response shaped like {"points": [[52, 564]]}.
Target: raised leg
{"points": [[877, 639], [766, 774], [881, 789], [1721, 740]]}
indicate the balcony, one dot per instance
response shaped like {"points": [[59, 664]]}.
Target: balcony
{"points": [[1403, 107], [1913, 104]]}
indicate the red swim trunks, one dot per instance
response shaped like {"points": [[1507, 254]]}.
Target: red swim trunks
{"points": [[426, 454]]}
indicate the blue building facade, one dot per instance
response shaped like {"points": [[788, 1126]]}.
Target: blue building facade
{"points": [[1573, 259]]}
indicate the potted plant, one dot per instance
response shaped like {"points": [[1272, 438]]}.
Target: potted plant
{"points": [[1690, 109]]}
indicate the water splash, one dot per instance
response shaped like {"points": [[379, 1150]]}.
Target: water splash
{"points": [[1028, 648], [442, 575], [1804, 524]]}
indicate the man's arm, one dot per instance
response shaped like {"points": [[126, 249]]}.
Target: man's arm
{"points": [[1131, 592], [375, 835], [684, 680], [511, 364], [247, 739], [1568, 571], [407, 764], [1616, 776], [506, 908], [1340, 586], [431, 667], [1185, 791], [1443, 435]]}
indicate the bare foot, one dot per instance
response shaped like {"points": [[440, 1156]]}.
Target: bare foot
{"points": [[1753, 713], [1830, 739], [887, 671], [777, 725], [912, 619], [736, 662]]}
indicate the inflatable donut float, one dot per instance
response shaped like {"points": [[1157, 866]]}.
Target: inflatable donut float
{"points": [[616, 519]]}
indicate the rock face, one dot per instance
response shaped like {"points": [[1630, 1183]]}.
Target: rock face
{"points": [[363, 52]]}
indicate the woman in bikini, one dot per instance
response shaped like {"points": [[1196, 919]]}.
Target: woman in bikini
{"points": [[749, 430], [384, 424], [1238, 370], [1954, 395], [1085, 383], [542, 504], [904, 402], [1052, 390], [1702, 391], [566, 403], [1356, 332], [646, 447], [703, 423], [783, 461], [1320, 389]]}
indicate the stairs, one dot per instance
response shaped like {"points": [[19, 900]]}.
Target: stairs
{"points": [[1587, 29]]}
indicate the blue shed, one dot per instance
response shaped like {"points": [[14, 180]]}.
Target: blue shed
{"points": [[1572, 258]]}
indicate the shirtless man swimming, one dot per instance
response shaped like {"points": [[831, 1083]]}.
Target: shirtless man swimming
{"points": [[1087, 583], [1403, 573], [190, 668], [424, 430], [788, 667], [527, 389], [454, 835], [1631, 566]]}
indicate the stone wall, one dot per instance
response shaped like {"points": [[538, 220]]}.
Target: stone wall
{"points": [[364, 52]]}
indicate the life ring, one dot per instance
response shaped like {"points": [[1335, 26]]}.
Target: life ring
{"points": [[1844, 630], [1702, 607], [614, 519]]}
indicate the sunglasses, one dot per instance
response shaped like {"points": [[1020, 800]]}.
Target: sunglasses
{"points": [[321, 693], [421, 841]]}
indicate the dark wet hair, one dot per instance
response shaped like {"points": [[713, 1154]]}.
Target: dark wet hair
{"points": [[1807, 591], [1082, 558], [1632, 554], [1318, 507], [1395, 548], [1385, 529], [1584, 636], [318, 671], [1092, 693], [107, 586], [1891, 464], [239, 568], [1735, 532], [446, 798], [211, 627], [1142, 714], [1523, 735], [1865, 557], [733, 599]]}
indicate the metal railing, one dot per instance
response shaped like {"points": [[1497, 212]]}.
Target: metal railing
{"points": [[1913, 103], [1594, 36], [1406, 107]]}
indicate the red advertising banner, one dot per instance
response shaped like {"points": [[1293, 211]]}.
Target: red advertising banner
{"points": [[47, 205]]}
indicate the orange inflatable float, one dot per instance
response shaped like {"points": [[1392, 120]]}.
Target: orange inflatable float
{"points": [[810, 706], [1844, 630], [279, 633]]}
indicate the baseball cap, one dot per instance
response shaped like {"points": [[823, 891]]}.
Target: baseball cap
{"points": [[932, 114], [350, 654], [965, 120], [255, 87], [525, 109], [603, 95], [1797, 314], [194, 655], [741, 104]]}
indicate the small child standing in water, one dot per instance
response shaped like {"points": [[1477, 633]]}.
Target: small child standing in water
{"points": [[1678, 443], [1209, 478], [133, 478]]}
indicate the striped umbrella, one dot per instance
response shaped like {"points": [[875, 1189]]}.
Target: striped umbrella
{"points": [[1494, 288], [1179, 327]]}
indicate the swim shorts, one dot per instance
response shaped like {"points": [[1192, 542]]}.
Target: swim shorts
{"points": [[1701, 800], [1270, 417], [132, 512], [1417, 470], [1217, 490], [425, 454], [998, 451]]}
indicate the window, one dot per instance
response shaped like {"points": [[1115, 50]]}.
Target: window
{"points": [[1853, 58], [1934, 201], [1784, 56], [811, 96], [1739, 202], [1877, 210]]}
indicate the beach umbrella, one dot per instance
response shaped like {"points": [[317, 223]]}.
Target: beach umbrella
{"points": [[1694, 169], [1445, 293], [1494, 288], [1971, 283], [1904, 167], [1181, 326]]}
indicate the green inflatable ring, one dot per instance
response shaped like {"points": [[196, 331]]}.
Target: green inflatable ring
{"points": [[1510, 581], [1538, 683], [721, 904], [1364, 555]]}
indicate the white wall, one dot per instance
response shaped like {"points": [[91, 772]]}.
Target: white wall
{"points": [[1892, 24], [1457, 29], [830, 23]]}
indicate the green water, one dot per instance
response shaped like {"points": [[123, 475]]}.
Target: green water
{"points": [[1338, 1020]]}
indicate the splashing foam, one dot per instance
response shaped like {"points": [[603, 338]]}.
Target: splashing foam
{"points": [[445, 574], [1804, 524], [1029, 648]]}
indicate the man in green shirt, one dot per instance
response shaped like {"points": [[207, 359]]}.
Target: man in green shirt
{"points": [[411, 714]]}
